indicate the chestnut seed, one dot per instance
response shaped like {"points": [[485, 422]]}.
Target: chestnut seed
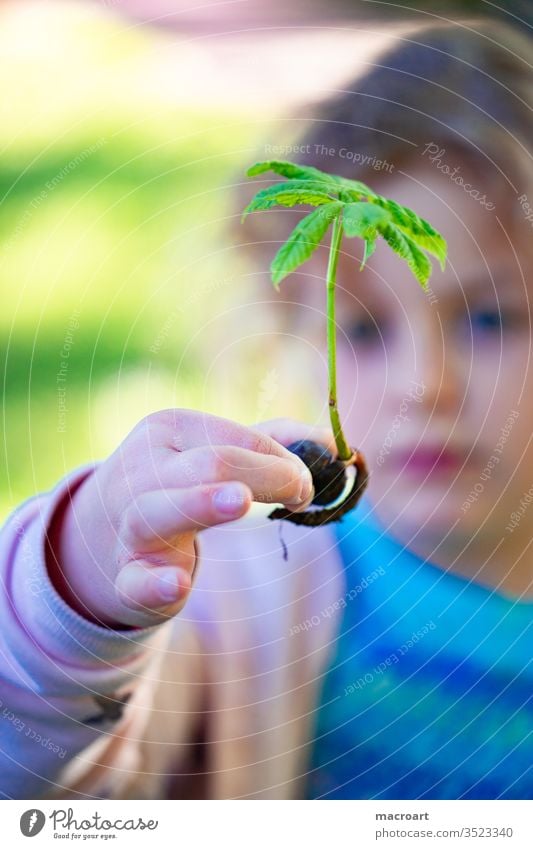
{"points": [[329, 475]]}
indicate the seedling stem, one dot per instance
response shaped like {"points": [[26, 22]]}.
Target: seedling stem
{"points": [[344, 452]]}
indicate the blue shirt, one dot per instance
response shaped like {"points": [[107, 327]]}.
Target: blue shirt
{"points": [[429, 692]]}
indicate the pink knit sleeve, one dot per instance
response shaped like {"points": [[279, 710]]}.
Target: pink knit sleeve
{"points": [[64, 681]]}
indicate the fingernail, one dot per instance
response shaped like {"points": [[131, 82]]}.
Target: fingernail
{"points": [[168, 587], [230, 499], [306, 484]]}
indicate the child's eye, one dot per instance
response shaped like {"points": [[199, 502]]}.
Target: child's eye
{"points": [[486, 320], [493, 321], [366, 331]]}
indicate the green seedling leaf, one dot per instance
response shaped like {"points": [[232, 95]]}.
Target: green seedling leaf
{"points": [[362, 219], [353, 189], [366, 220], [370, 247], [291, 193], [303, 241], [418, 229], [405, 247], [290, 170]]}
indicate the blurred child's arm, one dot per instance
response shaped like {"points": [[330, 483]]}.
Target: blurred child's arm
{"points": [[93, 573]]}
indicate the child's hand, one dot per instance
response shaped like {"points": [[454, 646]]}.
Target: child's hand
{"points": [[125, 548]]}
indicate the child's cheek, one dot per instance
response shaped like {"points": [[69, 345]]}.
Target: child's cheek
{"points": [[362, 397]]}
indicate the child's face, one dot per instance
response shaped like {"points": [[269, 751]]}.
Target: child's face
{"points": [[419, 371]]}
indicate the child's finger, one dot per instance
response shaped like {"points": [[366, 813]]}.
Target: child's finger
{"points": [[183, 429], [287, 430], [156, 518], [145, 589], [270, 478]]}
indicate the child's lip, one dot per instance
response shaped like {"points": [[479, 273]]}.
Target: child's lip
{"points": [[422, 459]]}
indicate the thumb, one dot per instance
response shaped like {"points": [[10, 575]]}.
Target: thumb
{"points": [[150, 594]]}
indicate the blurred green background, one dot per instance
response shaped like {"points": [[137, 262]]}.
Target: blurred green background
{"points": [[125, 128], [114, 262]]}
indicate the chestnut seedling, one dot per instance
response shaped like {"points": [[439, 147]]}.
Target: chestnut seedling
{"points": [[351, 209]]}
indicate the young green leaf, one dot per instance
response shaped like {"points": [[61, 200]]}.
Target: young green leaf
{"points": [[353, 189], [290, 170], [418, 229], [303, 240], [362, 218], [370, 247], [291, 193], [405, 247]]}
